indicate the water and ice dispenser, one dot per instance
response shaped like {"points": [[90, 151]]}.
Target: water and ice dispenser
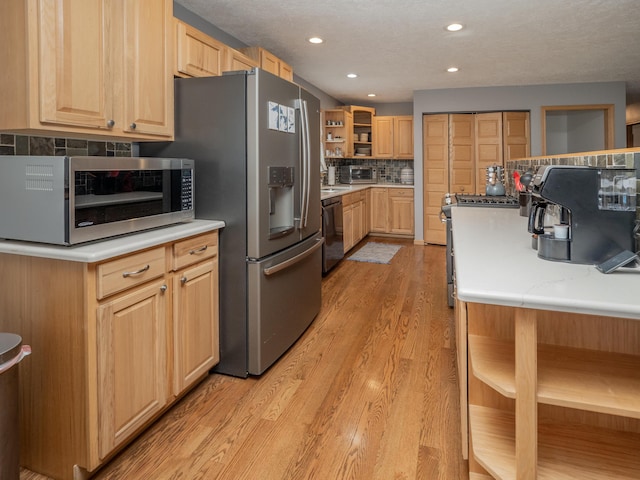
{"points": [[281, 201]]}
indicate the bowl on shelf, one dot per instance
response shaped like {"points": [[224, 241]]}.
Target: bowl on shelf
{"points": [[363, 151]]}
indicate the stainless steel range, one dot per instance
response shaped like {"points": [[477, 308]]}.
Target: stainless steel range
{"points": [[467, 200]]}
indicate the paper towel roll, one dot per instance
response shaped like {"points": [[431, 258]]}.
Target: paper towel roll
{"points": [[331, 175]]}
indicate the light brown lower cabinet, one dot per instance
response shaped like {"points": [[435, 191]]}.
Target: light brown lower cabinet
{"points": [[114, 344], [353, 218], [551, 395], [392, 211]]}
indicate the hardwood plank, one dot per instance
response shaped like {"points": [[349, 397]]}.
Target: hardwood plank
{"points": [[368, 392]]}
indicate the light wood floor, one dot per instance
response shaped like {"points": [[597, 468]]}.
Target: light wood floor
{"points": [[369, 392]]}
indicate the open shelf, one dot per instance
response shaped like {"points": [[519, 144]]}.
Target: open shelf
{"points": [[564, 451], [590, 380]]}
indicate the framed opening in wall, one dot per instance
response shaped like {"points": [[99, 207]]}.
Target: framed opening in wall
{"points": [[577, 128]]}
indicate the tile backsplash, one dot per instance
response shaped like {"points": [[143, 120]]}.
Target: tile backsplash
{"points": [[388, 170], [14, 144]]}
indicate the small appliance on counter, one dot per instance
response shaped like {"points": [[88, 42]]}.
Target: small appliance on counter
{"points": [[495, 180], [354, 174], [68, 200], [596, 212]]}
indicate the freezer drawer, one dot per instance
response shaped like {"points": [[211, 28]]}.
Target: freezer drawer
{"points": [[283, 299]]}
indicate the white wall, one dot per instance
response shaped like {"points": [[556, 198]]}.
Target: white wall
{"points": [[529, 97]]}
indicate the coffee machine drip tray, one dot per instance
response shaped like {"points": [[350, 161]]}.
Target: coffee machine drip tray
{"points": [[469, 200]]}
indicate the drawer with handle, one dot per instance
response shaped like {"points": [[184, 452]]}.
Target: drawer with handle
{"points": [[123, 273], [194, 249]]}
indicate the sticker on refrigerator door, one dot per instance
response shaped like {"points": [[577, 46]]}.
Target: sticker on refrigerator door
{"points": [[274, 115], [292, 119], [284, 119]]}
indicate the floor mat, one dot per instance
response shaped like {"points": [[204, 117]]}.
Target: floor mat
{"points": [[374, 252]]}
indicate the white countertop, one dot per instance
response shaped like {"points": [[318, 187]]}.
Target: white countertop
{"points": [[343, 188], [113, 247], [495, 264]]}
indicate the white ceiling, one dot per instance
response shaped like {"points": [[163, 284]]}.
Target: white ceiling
{"points": [[398, 46]]}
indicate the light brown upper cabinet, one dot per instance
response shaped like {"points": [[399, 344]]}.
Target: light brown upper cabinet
{"points": [[198, 54], [269, 62], [98, 68], [237, 60], [393, 137]]}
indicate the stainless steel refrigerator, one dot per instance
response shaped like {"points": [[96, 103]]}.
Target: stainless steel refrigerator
{"points": [[255, 139]]}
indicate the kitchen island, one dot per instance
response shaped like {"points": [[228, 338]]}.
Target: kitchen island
{"points": [[119, 330], [548, 357]]}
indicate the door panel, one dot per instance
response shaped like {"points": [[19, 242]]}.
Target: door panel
{"points": [[73, 91], [488, 145], [516, 135], [277, 207], [435, 131], [282, 304], [461, 157]]}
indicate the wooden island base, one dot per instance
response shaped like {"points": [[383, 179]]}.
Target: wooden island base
{"points": [[551, 395]]}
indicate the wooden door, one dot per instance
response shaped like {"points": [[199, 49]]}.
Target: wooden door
{"points": [[197, 54], [239, 61], [347, 227], [285, 70], [383, 137], [131, 364], [75, 74], [516, 135], [269, 62], [195, 323], [461, 153], [488, 146], [148, 67], [401, 211], [435, 133], [379, 210], [403, 136]]}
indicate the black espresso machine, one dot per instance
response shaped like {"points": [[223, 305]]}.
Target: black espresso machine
{"points": [[595, 212]]}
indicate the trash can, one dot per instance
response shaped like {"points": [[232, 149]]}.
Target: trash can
{"points": [[11, 352]]}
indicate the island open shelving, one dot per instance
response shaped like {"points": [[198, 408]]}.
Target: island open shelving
{"points": [[549, 360]]}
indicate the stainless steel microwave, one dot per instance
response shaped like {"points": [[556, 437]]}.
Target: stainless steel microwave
{"points": [[356, 174], [69, 200]]}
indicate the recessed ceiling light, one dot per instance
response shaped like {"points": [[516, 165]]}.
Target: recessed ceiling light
{"points": [[352, 75], [452, 69], [371, 95], [454, 27], [315, 40]]}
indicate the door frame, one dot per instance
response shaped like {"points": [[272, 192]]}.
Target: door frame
{"points": [[609, 121]]}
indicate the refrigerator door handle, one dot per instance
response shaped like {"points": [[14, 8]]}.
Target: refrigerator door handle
{"points": [[306, 162], [293, 260]]}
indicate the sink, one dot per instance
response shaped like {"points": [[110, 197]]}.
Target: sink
{"points": [[334, 189]]}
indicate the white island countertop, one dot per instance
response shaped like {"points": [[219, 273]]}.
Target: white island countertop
{"points": [[112, 247], [495, 264]]}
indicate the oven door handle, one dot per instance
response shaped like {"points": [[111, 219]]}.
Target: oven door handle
{"points": [[293, 260]]}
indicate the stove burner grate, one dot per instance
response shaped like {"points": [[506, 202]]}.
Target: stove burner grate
{"points": [[469, 200]]}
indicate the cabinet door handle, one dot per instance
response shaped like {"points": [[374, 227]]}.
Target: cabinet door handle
{"points": [[137, 272], [163, 288], [198, 250], [133, 126], [184, 280], [111, 124]]}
